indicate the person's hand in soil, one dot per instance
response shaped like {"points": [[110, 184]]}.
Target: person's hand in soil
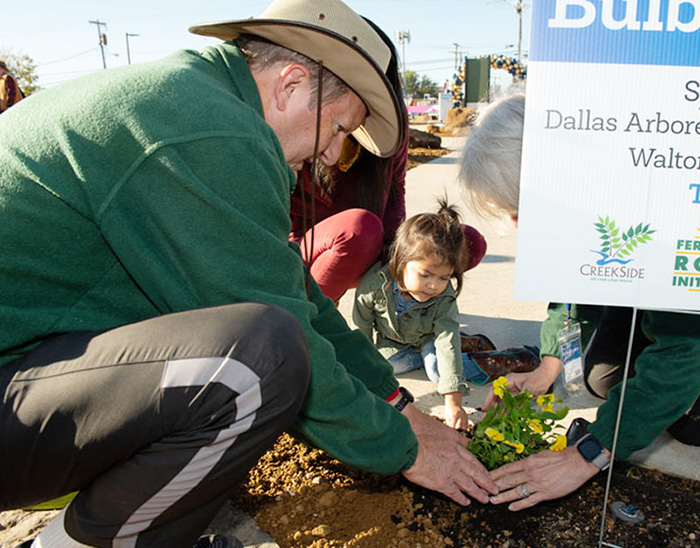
{"points": [[443, 463], [543, 476], [455, 415], [537, 381]]}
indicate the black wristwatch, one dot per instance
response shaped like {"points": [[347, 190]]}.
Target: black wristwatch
{"points": [[577, 429], [592, 450], [406, 398]]}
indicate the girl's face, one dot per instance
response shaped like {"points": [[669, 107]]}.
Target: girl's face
{"points": [[426, 278]]}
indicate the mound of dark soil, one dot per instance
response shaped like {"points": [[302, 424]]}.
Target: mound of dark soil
{"points": [[304, 498]]}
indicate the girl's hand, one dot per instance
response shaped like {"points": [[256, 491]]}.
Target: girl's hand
{"points": [[455, 415], [537, 381]]}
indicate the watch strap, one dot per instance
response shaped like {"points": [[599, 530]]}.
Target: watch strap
{"points": [[601, 460], [406, 398]]}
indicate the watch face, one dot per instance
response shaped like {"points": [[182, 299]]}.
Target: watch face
{"points": [[407, 394], [589, 448]]}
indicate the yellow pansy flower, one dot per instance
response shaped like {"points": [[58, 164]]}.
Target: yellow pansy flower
{"points": [[545, 399], [535, 425], [559, 444], [498, 385], [493, 434], [519, 447]]}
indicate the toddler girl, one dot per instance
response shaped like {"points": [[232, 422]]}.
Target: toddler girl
{"points": [[413, 307]]}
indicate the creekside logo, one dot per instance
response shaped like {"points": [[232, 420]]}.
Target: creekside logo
{"points": [[616, 249]]}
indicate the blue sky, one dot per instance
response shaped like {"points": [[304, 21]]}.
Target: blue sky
{"points": [[60, 39]]}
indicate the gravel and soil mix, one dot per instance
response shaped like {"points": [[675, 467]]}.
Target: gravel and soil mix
{"points": [[305, 499]]}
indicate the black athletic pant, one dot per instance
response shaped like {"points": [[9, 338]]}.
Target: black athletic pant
{"points": [[153, 423]]}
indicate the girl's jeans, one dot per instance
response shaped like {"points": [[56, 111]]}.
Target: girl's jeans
{"points": [[410, 359]]}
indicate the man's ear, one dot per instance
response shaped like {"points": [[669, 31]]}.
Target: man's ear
{"points": [[292, 79]]}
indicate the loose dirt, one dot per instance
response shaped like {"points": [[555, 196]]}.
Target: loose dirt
{"points": [[305, 499], [418, 156]]}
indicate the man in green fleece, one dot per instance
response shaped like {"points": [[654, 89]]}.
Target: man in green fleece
{"points": [[666, 351], [157, 329]]}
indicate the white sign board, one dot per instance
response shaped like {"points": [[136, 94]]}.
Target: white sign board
{"points": [[610, 185], [445, 104]]}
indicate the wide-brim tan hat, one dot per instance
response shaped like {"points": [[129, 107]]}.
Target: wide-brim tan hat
{"points": [[329, 31]]}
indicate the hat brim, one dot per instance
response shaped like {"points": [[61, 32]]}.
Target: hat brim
{"points": [[382, 131]]}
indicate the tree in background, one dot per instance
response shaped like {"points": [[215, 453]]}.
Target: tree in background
{"points": [[23, 69], [417, 86]]}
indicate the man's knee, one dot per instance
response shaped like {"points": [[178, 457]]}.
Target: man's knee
{"points": [[281, 329], [601, 377], [267, 338]]}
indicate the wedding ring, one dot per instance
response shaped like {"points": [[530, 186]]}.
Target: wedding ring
{"points": [[524, 491]]}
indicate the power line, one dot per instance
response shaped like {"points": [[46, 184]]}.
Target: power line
{"points": [[67, 72], [66, 58], [428, 61]]}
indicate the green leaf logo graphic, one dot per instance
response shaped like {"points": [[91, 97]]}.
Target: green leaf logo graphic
{"points": [[616, 244]]}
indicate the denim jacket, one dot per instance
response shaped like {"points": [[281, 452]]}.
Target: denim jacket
{"points": [[434, 320]]}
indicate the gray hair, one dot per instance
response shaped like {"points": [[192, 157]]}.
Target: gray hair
{"points": [[261, 54], [490, 170]]}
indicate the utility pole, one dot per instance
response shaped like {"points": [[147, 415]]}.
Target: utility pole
{"points": [[457, 46], [102, 39], [403, 36], [519, 7], [128, 52]]}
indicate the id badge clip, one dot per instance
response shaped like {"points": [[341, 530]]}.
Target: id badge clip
{"points": [[570, 350]]}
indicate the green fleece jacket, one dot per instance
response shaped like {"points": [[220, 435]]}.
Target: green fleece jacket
{"points": [[157, 188], [434, 320], [666, 380]]}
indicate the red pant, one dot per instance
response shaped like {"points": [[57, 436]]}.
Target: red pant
{"points": [[345, 246], [348, 243]]}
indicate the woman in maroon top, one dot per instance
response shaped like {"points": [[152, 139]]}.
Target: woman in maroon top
{"points": [[357, 209], [357, 206], [356, 212]]}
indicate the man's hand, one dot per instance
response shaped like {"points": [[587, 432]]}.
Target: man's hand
{"points": [[546, 475], [443, 463], [537, 381]]}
